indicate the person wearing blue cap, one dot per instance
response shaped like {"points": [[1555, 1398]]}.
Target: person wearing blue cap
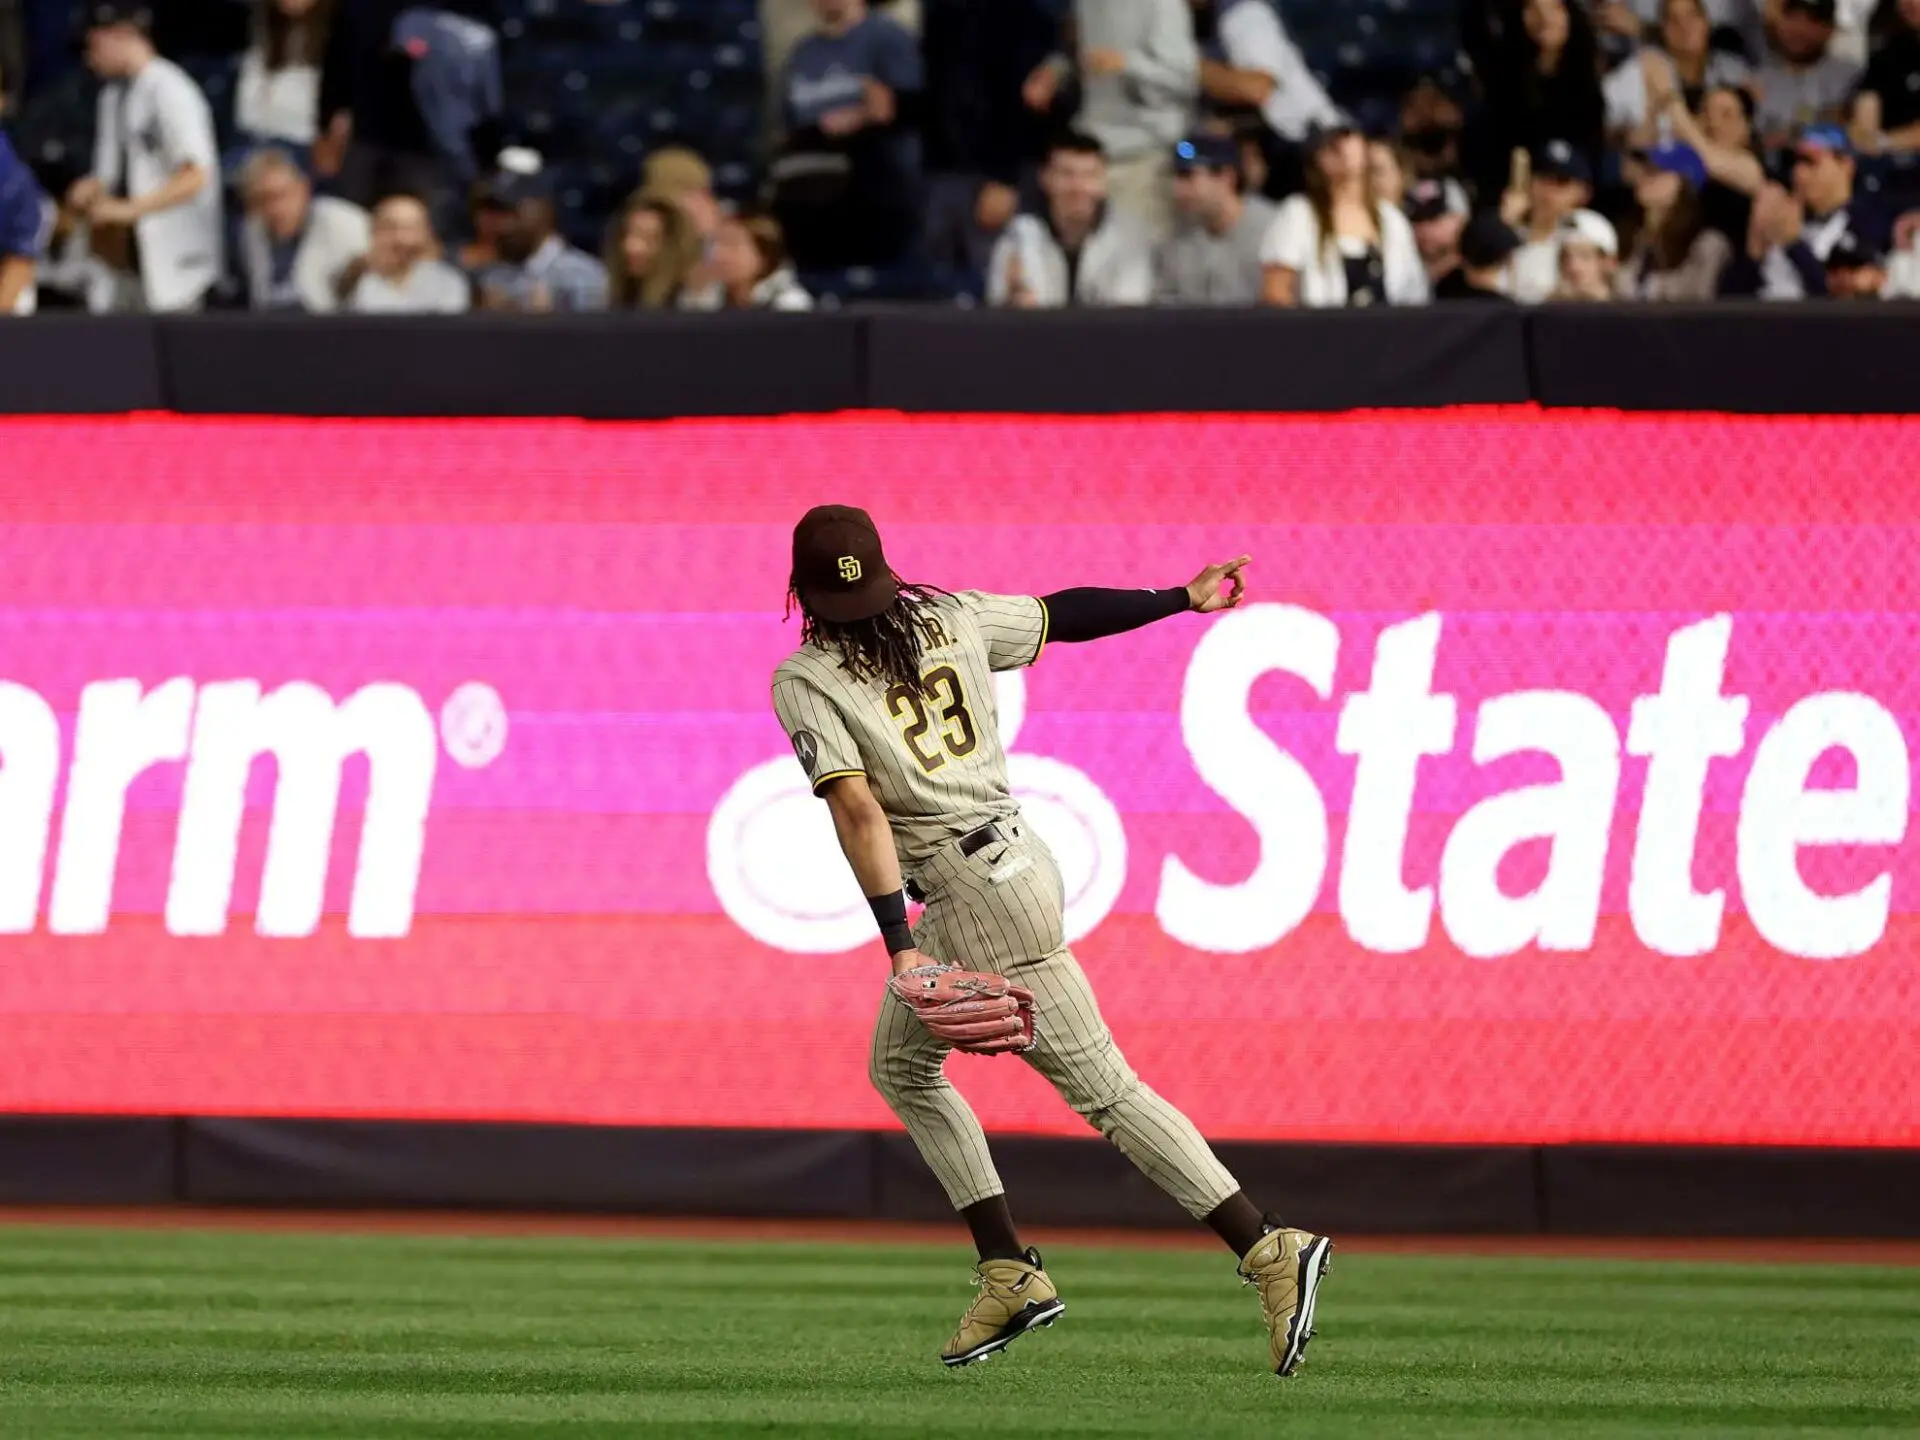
{"points": [[1676, 256], [1213, 256], [1792, 234]]}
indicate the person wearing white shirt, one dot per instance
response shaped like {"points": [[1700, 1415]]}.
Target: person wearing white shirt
{"points": [[277, 99], [295, 245], [155, 167], [1339, 244], [1081, 251], [1560, 183], [399, 275]]}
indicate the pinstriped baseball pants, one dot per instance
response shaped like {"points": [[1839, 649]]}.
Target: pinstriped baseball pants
{"points": [[1000, 909]]}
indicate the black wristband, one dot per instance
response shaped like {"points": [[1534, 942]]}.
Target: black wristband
{"points": [[890, 914]]}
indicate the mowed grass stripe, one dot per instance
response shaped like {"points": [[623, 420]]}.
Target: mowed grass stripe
{"points": [[181, 1333]]}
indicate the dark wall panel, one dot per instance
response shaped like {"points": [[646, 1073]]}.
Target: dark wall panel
{"points": [[1748, 359], [1650, 1190], [86, 1160], [529, 1167], [1350, 1189], [1133, 361], [598, 367], [79, 365]]}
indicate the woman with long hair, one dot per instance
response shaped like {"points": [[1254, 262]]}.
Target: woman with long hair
{"points": [[1675, 256], [277, 100], [650, 251], [1341, 244], [750, 271], [1542, 82]]}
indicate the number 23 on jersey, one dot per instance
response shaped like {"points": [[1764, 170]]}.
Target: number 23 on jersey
{"points": [[934, 720]]}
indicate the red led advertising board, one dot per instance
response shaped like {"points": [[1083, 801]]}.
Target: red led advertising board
{"points": [[1554, 783]]}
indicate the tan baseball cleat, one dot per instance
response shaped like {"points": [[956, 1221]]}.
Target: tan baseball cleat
{"points": [[1015, 1296], [1288, 1266]]}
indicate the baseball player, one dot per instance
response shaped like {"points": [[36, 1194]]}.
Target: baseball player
{"points": [[889, 704]]}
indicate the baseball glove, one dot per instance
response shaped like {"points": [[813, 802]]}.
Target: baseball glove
{"points": [[970, 1010]]}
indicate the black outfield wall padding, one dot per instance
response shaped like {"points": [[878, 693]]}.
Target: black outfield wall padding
{"points": [[79, 365], [1747, 358], [1731, 1191], [1137, 361], [809, 1173], [1809, 359], [597, 367], [88, 1160]]}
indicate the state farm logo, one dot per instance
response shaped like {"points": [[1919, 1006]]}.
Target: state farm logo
{"points": [[217, 730], [777, 870]]}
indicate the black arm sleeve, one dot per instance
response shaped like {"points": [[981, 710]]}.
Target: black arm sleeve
{"points": [[1090, 614]]}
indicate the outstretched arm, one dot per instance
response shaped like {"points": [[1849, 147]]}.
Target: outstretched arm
{"points": [[1093, 614]]}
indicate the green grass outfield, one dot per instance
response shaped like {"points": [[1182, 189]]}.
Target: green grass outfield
{"points": [[111, 1333]]}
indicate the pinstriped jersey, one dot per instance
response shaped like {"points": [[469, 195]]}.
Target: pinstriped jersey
{"points": [[932, 754]]}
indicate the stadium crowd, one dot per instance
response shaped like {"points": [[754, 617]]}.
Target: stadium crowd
{"points": [[380, 156]]}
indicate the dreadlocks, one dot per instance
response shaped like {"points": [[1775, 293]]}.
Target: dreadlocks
{"points": [[888, 646]]}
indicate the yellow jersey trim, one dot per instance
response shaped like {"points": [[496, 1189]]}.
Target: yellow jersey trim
{"points": [[831, 776]]}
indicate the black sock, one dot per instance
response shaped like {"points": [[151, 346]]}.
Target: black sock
{"points": [[1238, 1221], [992, 1225]]}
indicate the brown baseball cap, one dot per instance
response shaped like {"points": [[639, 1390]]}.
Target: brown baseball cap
{"points": [[838, 567]]}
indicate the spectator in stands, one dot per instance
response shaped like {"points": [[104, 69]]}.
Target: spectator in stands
{"points": [[1682, 67], [537, 270], [1886, 112], [1338, 244], [983, 144], [1589, 258], [1487, 245], [1558, 183], [1249, 64], [679, 176], [847, 182], [750, 269], [21, 214], [277, 101], [295, 246], [650, 251], [1436, 229], [1903, 265], [1791, 234], [1081, 251], [1542, 83], [1139, 70], [1432, 128], [153, 202], [485, 221], [409, 96], [1723, 135], [1389, 176], [1855, 271], [1213, 256], [1675, 256], [400, 273], [1802, 82], [1738, 26]]}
